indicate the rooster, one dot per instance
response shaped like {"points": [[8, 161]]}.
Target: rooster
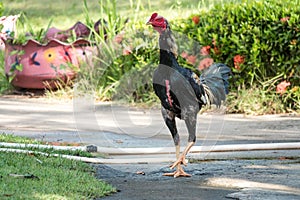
{"points": [[181, 92]]}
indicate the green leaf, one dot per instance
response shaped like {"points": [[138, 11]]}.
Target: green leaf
{"points": [[19, 67]]}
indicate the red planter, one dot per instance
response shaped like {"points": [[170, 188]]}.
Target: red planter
{"points": [[45, 65]]}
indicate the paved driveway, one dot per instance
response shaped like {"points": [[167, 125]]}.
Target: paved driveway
{"points": [[273, 174]]}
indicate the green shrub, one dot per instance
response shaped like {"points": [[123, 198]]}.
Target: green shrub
{"points": [[122, 57], [258, 39], [126, 75]]}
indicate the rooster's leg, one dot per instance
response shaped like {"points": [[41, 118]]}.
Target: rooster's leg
{"points": [[181, 158], [191, 126], [179, 170], [169, 118]]}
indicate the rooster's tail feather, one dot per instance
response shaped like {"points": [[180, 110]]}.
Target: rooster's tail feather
{"points": [[215, 81]]}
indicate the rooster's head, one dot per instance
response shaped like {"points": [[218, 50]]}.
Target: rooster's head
{"points": [[159, 23]]}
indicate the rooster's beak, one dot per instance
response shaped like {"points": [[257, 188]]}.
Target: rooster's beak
{"points": [[148, 21]]}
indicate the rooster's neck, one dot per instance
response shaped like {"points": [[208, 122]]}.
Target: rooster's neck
{"points": [[168, 49], [167, 42]]}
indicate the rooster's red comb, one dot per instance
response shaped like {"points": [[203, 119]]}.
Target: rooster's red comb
{"points": [[157, 21], [153, 16]]}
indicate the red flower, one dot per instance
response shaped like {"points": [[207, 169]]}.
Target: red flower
{"points": [[238, 60], [119, 37], [196, 19], [281, 87], [127, 50], [284, 19], [184, 54], [191, 59], [204, 51], [205, 63]]}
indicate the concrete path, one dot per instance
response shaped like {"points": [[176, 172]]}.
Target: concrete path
{"points": [[87, 121], [273, 174]]}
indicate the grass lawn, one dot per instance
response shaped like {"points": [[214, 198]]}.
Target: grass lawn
{"points": [[28, 176], [66, 13], [33, 176], [10, 138]]}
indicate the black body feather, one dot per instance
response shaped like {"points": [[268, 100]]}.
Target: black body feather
{"points": [[181, 92]]}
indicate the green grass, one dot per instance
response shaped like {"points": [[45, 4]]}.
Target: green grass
{"points": [[10, 138], [48, 178], [66, 13], [254, 101]]}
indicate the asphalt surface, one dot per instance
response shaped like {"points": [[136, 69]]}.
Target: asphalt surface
{"points": [[215, 180], [272, 174]]}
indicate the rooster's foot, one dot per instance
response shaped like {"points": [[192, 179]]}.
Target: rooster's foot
{"points": [[180, 160], [178, 173]]}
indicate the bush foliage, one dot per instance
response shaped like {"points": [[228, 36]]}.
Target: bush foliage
{"points": [[258, 39]]}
